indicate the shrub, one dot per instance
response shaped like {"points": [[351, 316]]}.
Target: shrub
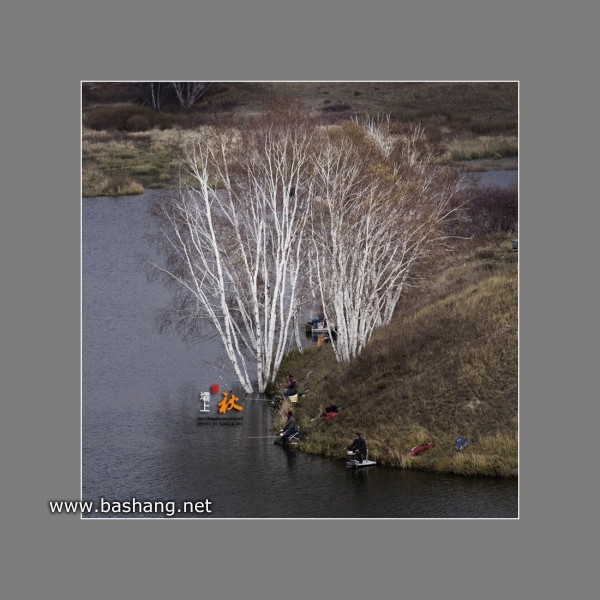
{"points": [[493, 209], [126, 117], [337, 107], [108, 92], [93, 182], [137, 123], [123, 186]]}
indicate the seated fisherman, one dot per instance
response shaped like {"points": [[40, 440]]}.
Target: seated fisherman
{"points": [[358, 447], [291, 389], [289, 429]]}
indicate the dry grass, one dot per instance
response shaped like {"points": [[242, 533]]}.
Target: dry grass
{"points": [[473, 147], [469, 121], [443, 102], [143, 158], [446, 367], [97, 183]]}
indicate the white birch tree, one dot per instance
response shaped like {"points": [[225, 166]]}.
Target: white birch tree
{"points": [[233, 240], [376, 213], [155, 94], [189, 92], [265, 208]]}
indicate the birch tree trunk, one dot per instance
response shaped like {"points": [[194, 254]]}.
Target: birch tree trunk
{"points": [[189, 92], [377, 212], [233, 240], [155, 93], [265, 209]]}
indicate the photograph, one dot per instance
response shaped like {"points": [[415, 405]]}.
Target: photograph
{"points": [[299, 300]]}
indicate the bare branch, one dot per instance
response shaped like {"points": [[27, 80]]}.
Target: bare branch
{"points": [[189, 92], [233, 239]]}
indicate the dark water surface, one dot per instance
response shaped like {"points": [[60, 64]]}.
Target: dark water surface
{"points": [[142, 440], [507, 178]]}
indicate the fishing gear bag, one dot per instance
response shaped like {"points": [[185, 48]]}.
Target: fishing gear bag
{"points": [[461, 444]]}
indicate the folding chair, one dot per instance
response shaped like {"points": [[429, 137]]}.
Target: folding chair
{"points": [[295, 437], [350, 458]]}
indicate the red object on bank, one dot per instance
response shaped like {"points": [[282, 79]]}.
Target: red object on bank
{"points": [[214, 388], [418, 449]]}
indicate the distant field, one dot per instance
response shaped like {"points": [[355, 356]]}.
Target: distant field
{"points": [[489, 104], [466, 102], [126, 144]]}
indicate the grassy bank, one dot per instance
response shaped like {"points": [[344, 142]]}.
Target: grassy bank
{"points": [[125, 163], [446, 367], [126, 146]]}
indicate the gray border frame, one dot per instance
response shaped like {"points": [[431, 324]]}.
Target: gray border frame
{"points": [[46, 55]]}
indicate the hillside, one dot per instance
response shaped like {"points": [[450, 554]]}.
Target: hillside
{"points": [[446, 367], [459, 104]]}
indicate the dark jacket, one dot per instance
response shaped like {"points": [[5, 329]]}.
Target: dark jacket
{"points": [[290, 425], [359, 446]]}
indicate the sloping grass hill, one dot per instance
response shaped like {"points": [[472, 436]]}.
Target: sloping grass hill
{"points": [[446, 367]]}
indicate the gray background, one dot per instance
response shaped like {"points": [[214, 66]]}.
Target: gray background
{"points": [[45, 53]]}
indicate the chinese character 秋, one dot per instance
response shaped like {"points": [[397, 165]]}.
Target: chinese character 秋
{"points": [[228, 402]]}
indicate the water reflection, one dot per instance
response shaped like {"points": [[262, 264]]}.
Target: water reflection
{"points": [[141, 435]]}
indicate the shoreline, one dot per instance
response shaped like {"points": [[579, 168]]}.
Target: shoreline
{"points": [[445, 368]]}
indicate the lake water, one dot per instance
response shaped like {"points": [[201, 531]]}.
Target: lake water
{"points": [[147, 454], [505, 178]]}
